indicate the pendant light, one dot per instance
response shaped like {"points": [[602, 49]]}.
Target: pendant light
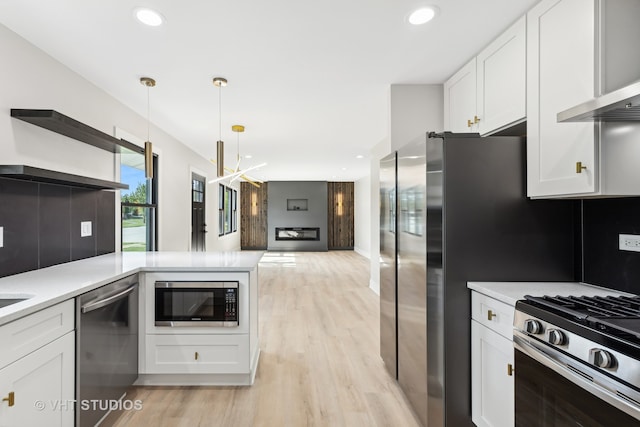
{"points": [[238, 129], [148, 147], [220, 82]]}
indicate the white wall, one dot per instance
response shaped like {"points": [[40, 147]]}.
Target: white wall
{"points": [[362, 216], [29, 78], [377, 152], [414, 110]]}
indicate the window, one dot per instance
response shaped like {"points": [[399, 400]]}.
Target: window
{"points": [[227, 210], [138, 203]]}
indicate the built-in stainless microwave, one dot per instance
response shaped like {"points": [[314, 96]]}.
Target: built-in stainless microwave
{"points": [[202, 303]]}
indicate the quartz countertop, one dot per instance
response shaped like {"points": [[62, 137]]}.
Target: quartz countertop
{"points": [[510, 292], [51, 285]]}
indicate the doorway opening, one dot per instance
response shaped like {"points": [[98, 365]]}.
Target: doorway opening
{"points": [[198, 224]]}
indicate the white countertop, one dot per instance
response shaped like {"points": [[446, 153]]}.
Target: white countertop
{"points": [[48, 286], [510, 292]]}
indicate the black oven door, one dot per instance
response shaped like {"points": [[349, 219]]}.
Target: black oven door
{"points": [[553, 390], [196, 304]]}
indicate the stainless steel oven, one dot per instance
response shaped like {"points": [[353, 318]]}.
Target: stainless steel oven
{"points": [[577, 361], [202, 303]]}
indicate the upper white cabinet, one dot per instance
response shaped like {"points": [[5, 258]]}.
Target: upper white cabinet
{"points": [[489, 93], [501, 80], [460, 100], [561, 58], [571, 59]]}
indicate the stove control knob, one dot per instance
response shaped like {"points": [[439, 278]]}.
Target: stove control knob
{"points": [[601, 358], [532, 326], [557, 337]]}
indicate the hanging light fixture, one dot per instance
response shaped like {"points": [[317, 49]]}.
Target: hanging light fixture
{"points": [[148, 147], [220, 168], [220, 82], [238, 129]]}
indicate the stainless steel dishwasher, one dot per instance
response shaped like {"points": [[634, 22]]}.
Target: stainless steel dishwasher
{"points": [[106, 348]]}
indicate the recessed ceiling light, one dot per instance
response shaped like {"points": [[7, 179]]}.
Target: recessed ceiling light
{"points": [[359, 156], [422, 15], [344, 169], [148, 16], [248, 156]]}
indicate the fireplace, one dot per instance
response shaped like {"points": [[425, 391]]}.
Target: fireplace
{"points": [[297, 233]]}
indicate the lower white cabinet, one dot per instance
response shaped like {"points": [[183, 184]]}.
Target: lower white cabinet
{"points": [[492, 391], [186, 354], [492, 362], [199, 355], [38, 389]]}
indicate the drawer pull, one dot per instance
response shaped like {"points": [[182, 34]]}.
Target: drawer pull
{"points": [[510, 369], [11, 398], [476, 119], [196, 355], [490, 315], [579, 167], [469, 123]]}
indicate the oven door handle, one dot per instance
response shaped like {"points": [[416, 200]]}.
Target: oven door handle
{"points": [[583, 376], [94, 305]]}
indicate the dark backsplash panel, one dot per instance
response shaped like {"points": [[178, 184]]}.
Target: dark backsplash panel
{"points": [[19, 219], [42, 224], [55, 228], [604, 264]]}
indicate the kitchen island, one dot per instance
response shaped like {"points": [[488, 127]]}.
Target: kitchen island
{"points": [[40, 321]]}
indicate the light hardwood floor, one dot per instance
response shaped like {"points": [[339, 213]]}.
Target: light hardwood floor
{"points": [[320, 363]]}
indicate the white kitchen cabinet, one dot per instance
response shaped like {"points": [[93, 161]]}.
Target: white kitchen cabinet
{"points": [[37, 388], [489, 92], [571, 58], [492, 389], [501, 80], [200, 355], [210, 354], [460, 100], [560, 69], [492, 362]]}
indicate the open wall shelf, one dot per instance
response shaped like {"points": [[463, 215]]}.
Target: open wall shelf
{"points": [[30, 173], [59, 123]]}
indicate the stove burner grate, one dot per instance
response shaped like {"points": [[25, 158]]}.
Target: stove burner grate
{"points": [[618, 316]]}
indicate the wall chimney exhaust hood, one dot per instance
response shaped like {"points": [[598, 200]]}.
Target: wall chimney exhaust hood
{"points": [[622, 105]]}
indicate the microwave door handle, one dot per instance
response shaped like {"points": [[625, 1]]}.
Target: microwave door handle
{"points": [[563, 367], [94, 305]]}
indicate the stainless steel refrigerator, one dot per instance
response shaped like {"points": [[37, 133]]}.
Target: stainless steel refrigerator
{"points": [[462, 215]]}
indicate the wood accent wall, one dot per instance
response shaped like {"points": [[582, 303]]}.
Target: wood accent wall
{"points": [[341, 215], [253, 216]]}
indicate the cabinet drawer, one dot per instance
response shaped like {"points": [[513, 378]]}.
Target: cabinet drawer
{"points": [[493, 314], [31, 332], [204, 354]]}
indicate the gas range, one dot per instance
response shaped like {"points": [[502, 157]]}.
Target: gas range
{"points": [[594, 342]]}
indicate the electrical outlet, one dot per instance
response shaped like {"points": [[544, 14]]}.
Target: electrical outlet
{"points": [[1, 237], [85, 229], [629, 242]]}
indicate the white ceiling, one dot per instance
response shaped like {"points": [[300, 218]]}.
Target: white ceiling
{"points": [[308, 79]]}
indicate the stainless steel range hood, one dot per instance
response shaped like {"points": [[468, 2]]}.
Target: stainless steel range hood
{"points": [[622, 105]]}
